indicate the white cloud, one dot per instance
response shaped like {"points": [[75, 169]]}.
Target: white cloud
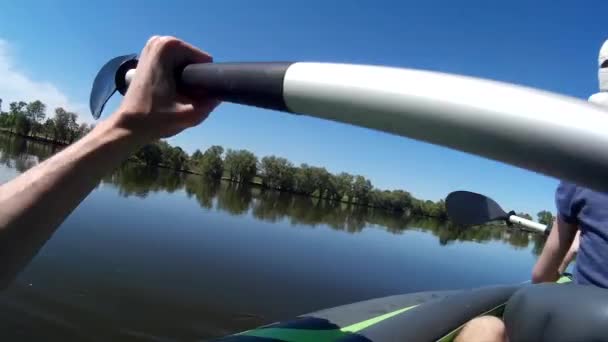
{"points": [[16, 85]]}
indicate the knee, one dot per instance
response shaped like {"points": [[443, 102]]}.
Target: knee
{"points": [[483, 329]]}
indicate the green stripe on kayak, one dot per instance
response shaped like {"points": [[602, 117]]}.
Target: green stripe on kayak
{"points": [[365, 324], [306, 335]]}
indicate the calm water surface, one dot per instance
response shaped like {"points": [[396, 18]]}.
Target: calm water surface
{"points": [[156, 255]]}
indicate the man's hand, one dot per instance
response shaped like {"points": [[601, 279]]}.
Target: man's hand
{"points": [[152, 108]]}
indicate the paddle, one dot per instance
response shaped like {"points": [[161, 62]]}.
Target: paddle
{"points": [[548, 133], [470, 208]]}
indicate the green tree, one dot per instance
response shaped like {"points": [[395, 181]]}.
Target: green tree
{"points": [[62, 125], [197, 155], [277, 173], [22, 124], [175, 158], [241, 165], [545, 217], [439, 211], [344, 185], [396, 200], [332, 192], [195, 160], [36, 113], [210, 163], [361, 190], [429, 208], [83, 130], [18, 118], [4, 119], [48, 128], [305, 180], [323, 183], [17, 107], [150, 154], [72, 127]]}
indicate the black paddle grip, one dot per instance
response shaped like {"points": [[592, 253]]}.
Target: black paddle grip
{"points": [[254, 84]]}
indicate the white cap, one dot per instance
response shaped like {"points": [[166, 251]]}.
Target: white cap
{"points": [[603, 72], [603, 54], [600, 98]]}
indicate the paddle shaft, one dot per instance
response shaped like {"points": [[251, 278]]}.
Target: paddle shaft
{"points": [[535, 226], [551, 134]]}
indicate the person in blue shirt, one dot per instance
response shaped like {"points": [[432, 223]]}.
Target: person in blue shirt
{"points": [[587, 210], [581, 209]]}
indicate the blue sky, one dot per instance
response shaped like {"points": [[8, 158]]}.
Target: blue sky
{"points": [[58, 46]]}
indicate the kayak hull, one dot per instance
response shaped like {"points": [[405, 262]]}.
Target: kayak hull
{"points": [[414, 317], [424, 316]]}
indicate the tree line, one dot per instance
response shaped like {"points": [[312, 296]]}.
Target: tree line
{"points": [[242, 166], [30, 119]]}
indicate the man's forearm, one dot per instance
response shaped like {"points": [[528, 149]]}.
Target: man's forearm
{"points": [[44, 195], [558, 243]]}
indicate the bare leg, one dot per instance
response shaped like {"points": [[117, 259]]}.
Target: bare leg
{"points": [[483, 329]]}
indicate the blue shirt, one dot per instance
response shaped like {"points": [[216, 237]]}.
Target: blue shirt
{"points": [[589, 210]]}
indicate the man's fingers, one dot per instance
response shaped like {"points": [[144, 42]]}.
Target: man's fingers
{"points": [[185, 104], [160, 59], [180, 53], [172, 53], [192, 114]]}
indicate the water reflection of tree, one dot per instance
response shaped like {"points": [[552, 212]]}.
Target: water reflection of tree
{"points": [[203, 189], [539, 243], [273, 206], [448, 233], [234, 198], [137, 180], [304, 210], [21, 154]]}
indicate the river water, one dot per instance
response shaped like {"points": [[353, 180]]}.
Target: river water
{"points": [[152, 254]]}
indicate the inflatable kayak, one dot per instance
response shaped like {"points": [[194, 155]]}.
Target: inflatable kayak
{"points": [[422, 316]]}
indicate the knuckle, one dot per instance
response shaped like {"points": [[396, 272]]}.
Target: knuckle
{"points": [[153, 39], [168, 42], [162, 45]]}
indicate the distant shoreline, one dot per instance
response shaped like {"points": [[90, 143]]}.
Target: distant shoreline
{"points": [[35, 138]]}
